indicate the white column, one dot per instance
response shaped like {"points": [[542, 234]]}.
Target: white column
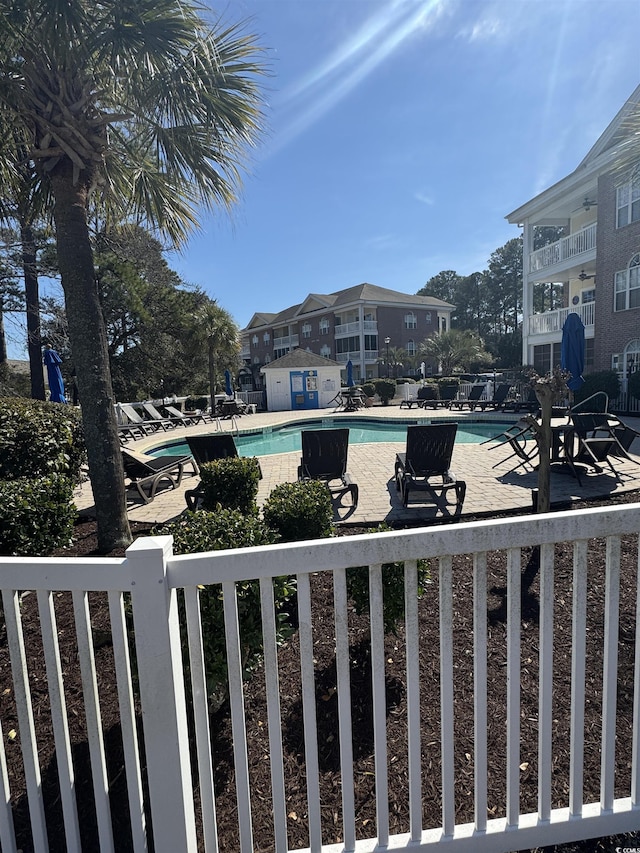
{"points": [[527, 294]]}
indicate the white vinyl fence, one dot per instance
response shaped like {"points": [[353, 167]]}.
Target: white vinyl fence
{"points": [[173, 779]]}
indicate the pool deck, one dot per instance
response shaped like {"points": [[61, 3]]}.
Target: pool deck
{"points": [[489, 490]]}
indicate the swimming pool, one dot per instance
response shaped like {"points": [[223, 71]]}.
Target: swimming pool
{"points": [[286, 438]]}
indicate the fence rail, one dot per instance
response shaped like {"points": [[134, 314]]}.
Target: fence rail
{"points": [[179, 768]]}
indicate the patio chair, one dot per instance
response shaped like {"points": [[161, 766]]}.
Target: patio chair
{"points": [[499, 398], [134, 418], [472, 400], [592, 443], [428, 454], [447, 394], [174, 413], [147, 472], [324, 457], [156, 417]]}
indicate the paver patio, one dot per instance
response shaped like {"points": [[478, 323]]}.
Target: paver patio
{"points": [[371, 465]]}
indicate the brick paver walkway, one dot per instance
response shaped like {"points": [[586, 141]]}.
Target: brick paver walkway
{"points": [[371, 466]]}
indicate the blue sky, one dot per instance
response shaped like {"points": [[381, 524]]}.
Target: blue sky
{"points": [[399, 133]]}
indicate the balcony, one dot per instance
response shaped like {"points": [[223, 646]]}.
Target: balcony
{"points": [[370, 327], [552, 321], [567, 249], [289, 341], [370, 356]]}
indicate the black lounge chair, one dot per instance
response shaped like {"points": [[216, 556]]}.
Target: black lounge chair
{"points": [[499, 398], [529, 404], [472, 400], [147, 472], [324, 457], [445, 397], [592, 443], [425, 394], [156, 418], [428, 454], [136, 424]]}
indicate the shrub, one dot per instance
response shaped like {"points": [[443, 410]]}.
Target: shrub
{"points": [[385, 389], [406, 380], [192, 404], [300, 510], [38, 439], [604, 380], [369, 389], [208, 531], [36, 515], [633, 385], [392, 588], [231, 482]]}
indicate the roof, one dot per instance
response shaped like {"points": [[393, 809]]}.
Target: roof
{"points": [[365, 292], [301, 358]]}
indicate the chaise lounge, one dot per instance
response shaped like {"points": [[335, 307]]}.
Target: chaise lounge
{"points": [[428, 454], [324, 457], [147, 472]]}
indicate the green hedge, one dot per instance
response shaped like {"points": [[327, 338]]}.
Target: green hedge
{"points": [[36, 515], [38, 439], [634, 385], [300, 510], [385, 389], [604, 380], [231, 482]]}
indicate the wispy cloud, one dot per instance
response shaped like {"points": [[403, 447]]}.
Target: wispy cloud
{"points": [[352, 62], [384, 242], [424, 198]]}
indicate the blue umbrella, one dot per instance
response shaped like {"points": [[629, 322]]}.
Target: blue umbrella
{"points": [[572, 350], [350, 382], [56, 385], [227, 383]]}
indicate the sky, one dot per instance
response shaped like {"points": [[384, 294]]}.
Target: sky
{"points": [[400, 133]]}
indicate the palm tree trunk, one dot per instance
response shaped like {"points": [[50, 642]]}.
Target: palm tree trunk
{"points": [[90, 355], [32, 297], [212, 373]]}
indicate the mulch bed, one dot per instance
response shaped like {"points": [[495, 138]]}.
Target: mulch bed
{"points": [[326, 707]]}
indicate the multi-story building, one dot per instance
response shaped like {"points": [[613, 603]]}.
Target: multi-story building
{"points": [[359, 324], [595, 265]]}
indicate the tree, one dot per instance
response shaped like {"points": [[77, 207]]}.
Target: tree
{"points": [[216, 329], [141, 107], [455, 350], [443, 286]]}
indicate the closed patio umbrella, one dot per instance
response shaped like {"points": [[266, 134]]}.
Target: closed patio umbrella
{"points": [[350, 382], [572, 350], [228, 387], [54, 375]]}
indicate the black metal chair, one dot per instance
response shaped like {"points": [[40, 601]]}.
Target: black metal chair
{"points": [[147, 472], [592, 443], [499, 398], [428, 454], [472, 400], [324, 457]]}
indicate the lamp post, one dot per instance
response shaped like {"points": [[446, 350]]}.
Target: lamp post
{"points": [[387, 342]]}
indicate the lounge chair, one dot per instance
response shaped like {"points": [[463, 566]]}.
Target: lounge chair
{"points": [[324, 457], [424, 394], [173, 413], [136, 420], [446, 395], [147, 472], [499, 398], [428, 454], [521, 438], [156, 418], [529, 404], [472, 400]]}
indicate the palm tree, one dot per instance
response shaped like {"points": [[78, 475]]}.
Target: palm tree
{"points": [[138, 107], [455, 350], [220, 334]]}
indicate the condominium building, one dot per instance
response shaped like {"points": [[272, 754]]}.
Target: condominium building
{"points": [[361, 324], [595, 264]]}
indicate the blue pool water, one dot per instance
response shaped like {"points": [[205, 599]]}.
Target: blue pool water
{"points": [[286, 439]]}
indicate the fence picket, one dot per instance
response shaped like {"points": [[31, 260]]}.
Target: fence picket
{"points": [[379, 703], [578, 666], [480, 689], [446, 696], [412, 632], [513, 686], [610, 673], [545, 693], [344, 708]]}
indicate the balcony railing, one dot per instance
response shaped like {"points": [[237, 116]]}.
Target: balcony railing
{"points": [[370, 355], [552, 321], [568, 248], [368, 326], [289, 341]]}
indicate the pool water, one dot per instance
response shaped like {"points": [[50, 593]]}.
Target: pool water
{"points": [[286, 439]]}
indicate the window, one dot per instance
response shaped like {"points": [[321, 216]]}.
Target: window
{"points": [[266, 337], [627, 286], [256, 360], [324, 326], [427, 316], [628, 202], [351, 344], [411, 347], [371, 343], [254, 340], [410, 321], [325, 351], [443, 324], [632, 358], [545, 357], [267, 358], [306, 330], [589, 354], [588, 295]]}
